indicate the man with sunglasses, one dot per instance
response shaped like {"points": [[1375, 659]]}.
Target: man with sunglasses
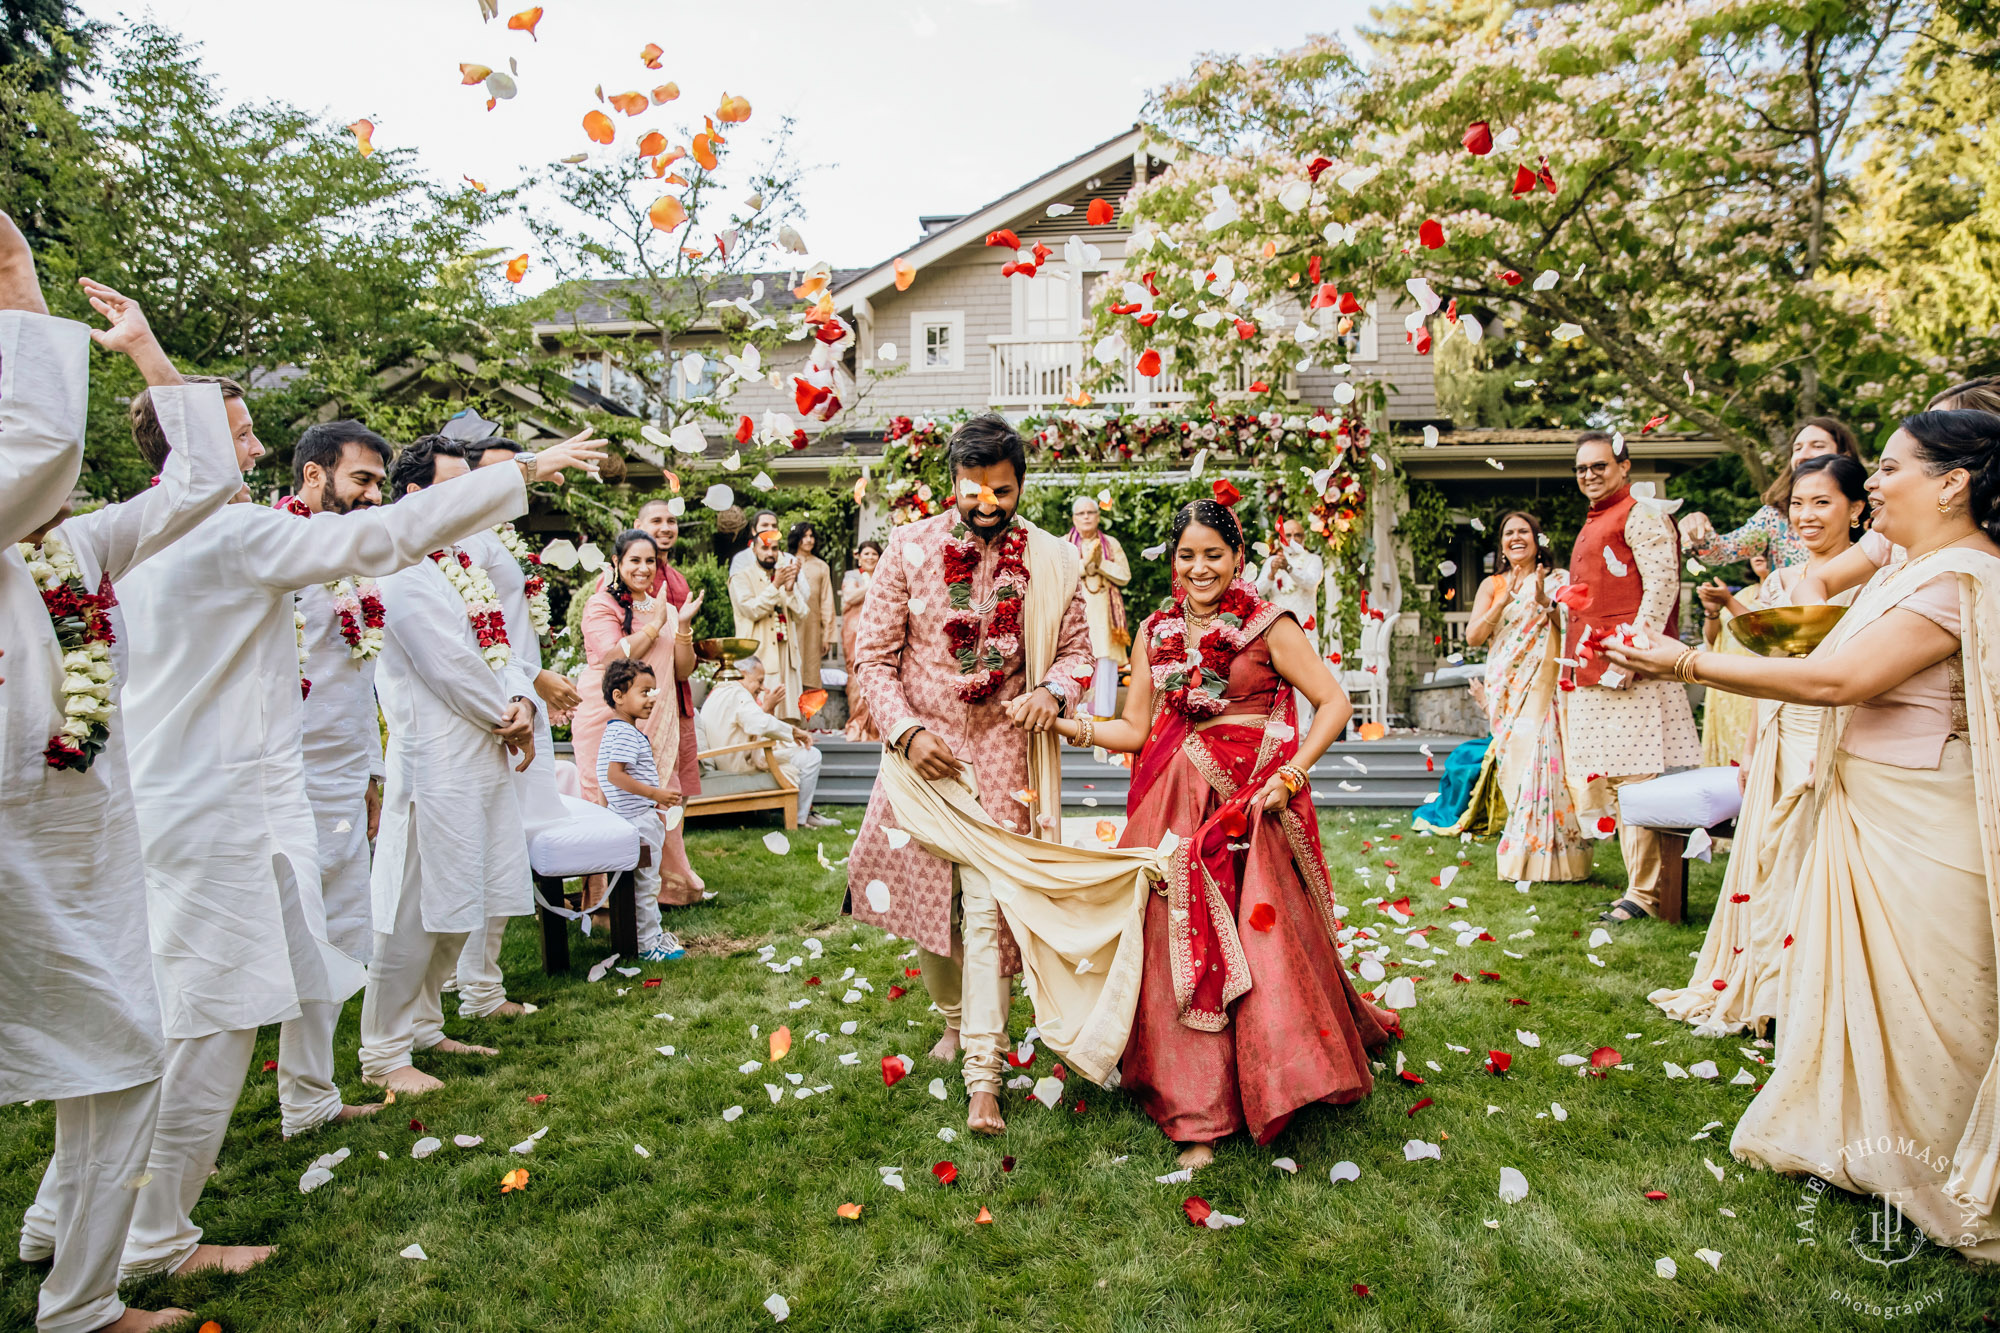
{"points": [[1627, 559]]}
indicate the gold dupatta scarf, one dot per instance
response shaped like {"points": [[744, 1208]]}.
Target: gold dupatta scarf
{"points": [[1053, 572]]}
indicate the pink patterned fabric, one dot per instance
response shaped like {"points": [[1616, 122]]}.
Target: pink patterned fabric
{"points": [[907, 672]]}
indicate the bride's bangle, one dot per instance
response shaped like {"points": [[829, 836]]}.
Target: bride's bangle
{"points": [[1086, 733]]}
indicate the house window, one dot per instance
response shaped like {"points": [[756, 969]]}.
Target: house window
{"points": [[1047, 305], [937, 341]]}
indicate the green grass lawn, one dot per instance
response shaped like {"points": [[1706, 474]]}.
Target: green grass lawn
{"points": [[722, 1215]]}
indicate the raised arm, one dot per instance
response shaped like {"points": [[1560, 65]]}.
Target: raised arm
{"points": [[878, 646], [292, 552], [44, 382], [198, 478], [1758, 536], [426, 622]]}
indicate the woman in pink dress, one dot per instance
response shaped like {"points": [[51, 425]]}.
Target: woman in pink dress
{"points": [[1246, 1013], [618, 624], [854, 596]]}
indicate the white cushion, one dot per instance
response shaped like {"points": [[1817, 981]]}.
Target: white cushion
{"points": [[1697, 798], [589, 840]]}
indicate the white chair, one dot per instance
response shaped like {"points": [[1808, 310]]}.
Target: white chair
{"points": [[587, 840], [1367, 682]]}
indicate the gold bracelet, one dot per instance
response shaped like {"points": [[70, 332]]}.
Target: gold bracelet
{"points": [[1692, 676], [684, 636], [1088, 733], [1291, 776]]}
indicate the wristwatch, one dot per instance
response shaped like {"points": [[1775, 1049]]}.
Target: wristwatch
{"points": [[526, 458]]}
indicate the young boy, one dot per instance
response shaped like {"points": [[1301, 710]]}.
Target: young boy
{"points": [[629, 779]]}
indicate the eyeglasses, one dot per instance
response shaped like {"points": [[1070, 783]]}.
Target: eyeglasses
{"points": [[1592, 469]]}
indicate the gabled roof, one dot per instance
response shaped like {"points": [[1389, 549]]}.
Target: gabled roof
{"points": [[1050, 187]]}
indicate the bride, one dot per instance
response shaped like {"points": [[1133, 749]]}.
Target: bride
{"points": [[1245, 1012]]}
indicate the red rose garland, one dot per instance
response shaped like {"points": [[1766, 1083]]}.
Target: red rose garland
{"points": [[82, 624], [357, 603], [982, 645], [1193, 685]]}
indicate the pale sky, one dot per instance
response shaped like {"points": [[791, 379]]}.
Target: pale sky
{"points": [[903, 107]]}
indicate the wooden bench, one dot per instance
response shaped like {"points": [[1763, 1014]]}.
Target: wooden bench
{"points": [[738, 793], [1673, 868], [555, 929]]}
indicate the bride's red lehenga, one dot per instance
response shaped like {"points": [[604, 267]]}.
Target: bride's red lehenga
{"points": [[1245, 1012]]}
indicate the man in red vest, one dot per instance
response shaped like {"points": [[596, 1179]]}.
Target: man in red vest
{"points": [[1627, 557]]}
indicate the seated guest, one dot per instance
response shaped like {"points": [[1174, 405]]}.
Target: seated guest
{"points": [[629, 777], [1887, 1013], [736, 713]]}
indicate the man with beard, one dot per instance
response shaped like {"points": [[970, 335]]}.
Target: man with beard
{"points": [[769, 607], [942, 659], [337, 467]]}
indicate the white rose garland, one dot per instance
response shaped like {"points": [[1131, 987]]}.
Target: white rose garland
{"points": [[482, 604]]}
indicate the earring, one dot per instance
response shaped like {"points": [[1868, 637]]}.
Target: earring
{"points": [[1944, 510]]}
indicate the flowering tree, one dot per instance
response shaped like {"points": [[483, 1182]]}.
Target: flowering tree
{"points": [[1657, 180]]}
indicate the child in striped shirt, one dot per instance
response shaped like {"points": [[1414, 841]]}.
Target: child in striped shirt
{"points": [[630, 781]]}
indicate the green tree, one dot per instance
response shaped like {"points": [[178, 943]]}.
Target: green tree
{"points": [[1684, 186]]}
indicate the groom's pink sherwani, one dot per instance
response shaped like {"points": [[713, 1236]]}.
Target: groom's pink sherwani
{"points": [[907, 673]]}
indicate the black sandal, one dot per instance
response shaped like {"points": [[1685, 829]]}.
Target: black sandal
{"points": [[1632, 911]]}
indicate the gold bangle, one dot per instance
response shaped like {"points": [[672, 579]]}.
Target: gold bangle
{"points": [[1692, 675], [1088, 734]]}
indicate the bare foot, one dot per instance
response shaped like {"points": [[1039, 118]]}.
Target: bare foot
{"points": [[409, 1081], [1196, 1156], [137, 1321], [450, 1047], [507, 1009], [947, 1046], [225, 1258], [984, 1117], [345, 1114]]}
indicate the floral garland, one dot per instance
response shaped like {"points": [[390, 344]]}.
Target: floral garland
{"points": [[536, 586], [357, 606], [82, 623], [983, 644], [482, 604], [299, 632], [1193, 683]]}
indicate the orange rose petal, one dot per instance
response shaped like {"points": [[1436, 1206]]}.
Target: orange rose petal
{"points": [[667, 213], [1107, 832], [984, 1217], [653, 144], [781, 1043], [526, 20], [906, 274], [650, 53], [733, 110], [810, 702], [860, 489], [211, 1327], [475, 184], [675, 179], [1025, 796], [517, 1179], [703, 153], [666, 92], [850, 1211], [472, 74], [630, 103], [517, 268], [599, 127], [1270, 250], [364, 134]]}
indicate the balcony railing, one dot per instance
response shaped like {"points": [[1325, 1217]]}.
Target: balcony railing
{"points": [[1039, 373]]}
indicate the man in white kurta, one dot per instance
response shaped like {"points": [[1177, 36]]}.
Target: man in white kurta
{"points": [[732, 716], [79, 1016], [337, 468], [1290, 580], [770, 606], [482, 988], [452, 852], [232, 857]]}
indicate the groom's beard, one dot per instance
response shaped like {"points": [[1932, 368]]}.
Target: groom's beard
{"points": [[986, 529]]}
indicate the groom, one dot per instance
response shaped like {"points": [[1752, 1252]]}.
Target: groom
{"points": [[941, 658]]}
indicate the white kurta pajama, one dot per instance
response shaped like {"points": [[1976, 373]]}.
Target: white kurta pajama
{"points": [[481, 987], [218, 775], [757, 602], [1296, 588], [452, 852], [729, 716], [79, 1017], [342, 743]]}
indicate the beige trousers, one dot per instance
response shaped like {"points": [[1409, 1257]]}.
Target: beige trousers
{"points": [[402, 1010], [969, 988], [1641, 847], [204, 1078]]}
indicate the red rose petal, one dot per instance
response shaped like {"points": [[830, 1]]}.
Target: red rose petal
{"points": [[269, 1065], [1656, 1195], [1006, 1164], [1498, 1061], [650, 983], [1418, 1107], [537, 1098], [946, 1172], [1263, 916], [898, 992], [893, 1070], [1361, 1289], [1719, 984], [1197, 1210]]}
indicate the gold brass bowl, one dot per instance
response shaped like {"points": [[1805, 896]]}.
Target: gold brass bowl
{"points": [[725, 653], [1785, 631]]}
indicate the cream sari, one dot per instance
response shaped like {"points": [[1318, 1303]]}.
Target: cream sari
{"points": [[1889, 1004], [1745, 942]]}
